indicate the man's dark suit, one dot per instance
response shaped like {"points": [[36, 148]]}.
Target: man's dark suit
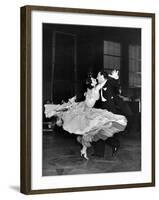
{"points": [[113, 103], [109, 94]]}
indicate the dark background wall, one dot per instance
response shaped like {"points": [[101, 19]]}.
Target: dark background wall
{"points": [[89, 57]]}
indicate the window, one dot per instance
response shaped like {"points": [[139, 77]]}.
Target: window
{"points": [[112, 56], [134, 66]]}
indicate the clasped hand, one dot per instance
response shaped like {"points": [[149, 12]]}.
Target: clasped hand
{"points": [[114, 74]]}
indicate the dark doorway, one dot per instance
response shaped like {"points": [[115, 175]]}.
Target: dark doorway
{"points": [[63, 68]]}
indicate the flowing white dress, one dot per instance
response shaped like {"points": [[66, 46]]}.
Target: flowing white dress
{"points": [[82, 119]]}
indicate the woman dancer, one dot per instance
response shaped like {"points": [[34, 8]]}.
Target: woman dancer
{"points": [[82, 119]]}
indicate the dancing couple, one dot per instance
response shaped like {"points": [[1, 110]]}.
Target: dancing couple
{"points": [[93, 119]]}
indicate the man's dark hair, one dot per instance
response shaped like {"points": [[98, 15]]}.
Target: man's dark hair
{"points": [[104, 73]]}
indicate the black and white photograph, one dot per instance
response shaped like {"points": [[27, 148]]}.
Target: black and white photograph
{"points": [[91, 99], [87, 95]]}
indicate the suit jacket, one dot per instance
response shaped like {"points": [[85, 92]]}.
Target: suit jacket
{"points": [[121, 107], [113, 102], [109, 95]]}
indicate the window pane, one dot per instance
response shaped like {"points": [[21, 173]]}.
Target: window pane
{"points": [[112, 48], [111, 62], [134, 66], [134, 52]]}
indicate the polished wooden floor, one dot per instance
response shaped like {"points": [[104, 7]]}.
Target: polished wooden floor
{"points": [[61, 155]]}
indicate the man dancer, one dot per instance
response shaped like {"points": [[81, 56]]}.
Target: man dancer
{"points": [[109, 86]]}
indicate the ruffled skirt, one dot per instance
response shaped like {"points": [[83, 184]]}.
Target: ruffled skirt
{"points": [[91, 123]]}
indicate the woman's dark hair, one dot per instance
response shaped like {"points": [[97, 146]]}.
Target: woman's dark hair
{"points": [[89, 82], [104, 73]]}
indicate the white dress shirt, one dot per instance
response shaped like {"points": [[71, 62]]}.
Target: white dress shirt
{"points": [[101, 91]]}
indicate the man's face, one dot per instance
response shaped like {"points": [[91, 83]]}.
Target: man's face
{"points": [[100, 78]]}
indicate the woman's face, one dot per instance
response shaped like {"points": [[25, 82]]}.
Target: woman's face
{"points": [[94, 82]]}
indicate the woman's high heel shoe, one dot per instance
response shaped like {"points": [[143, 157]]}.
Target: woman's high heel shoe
{"points": [[84, 154]]}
